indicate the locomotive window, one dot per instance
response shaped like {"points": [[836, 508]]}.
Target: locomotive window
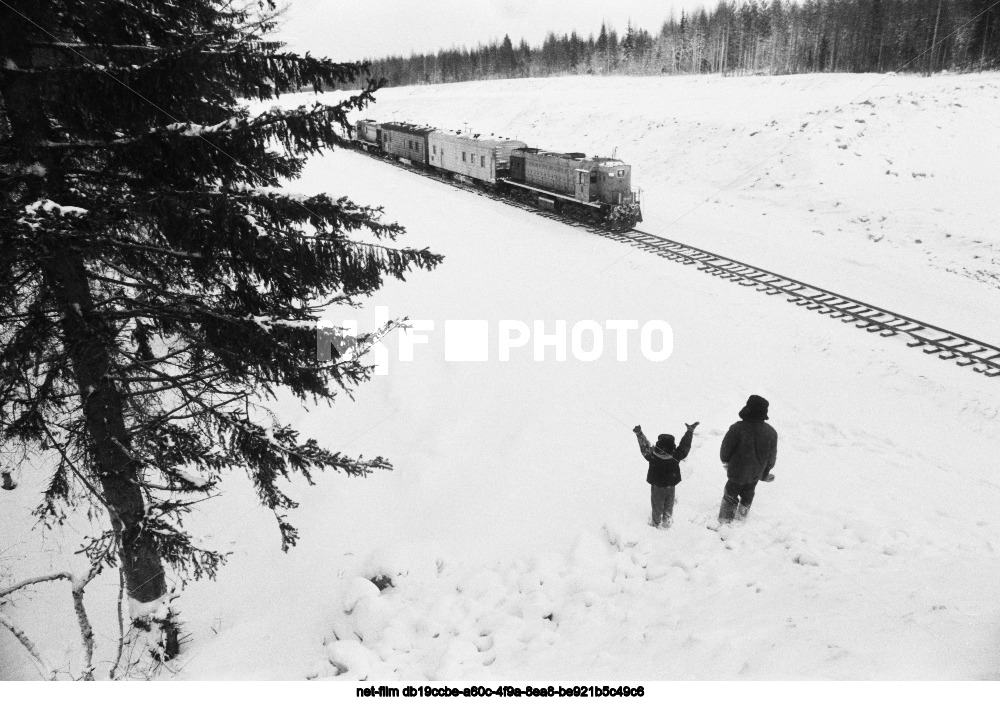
{"points": [[463, 156], [482, 161], [582, 175], [621, 173], [434, 149]]}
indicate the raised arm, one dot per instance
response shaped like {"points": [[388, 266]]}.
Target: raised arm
{"points": [[685, 447], [644, 446]]}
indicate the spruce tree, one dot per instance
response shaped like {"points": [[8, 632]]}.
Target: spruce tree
{"points": [[157, 285]]}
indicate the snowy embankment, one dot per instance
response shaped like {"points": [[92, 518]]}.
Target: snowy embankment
{"points": [[514, 525], [852, 182]]}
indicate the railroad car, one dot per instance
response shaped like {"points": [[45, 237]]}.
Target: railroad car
{"points": [[407, 141], [596, 188], [481, 159], [368, 132], [593, 189]]}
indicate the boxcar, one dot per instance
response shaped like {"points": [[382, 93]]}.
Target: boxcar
{"points": [[406, 141], [473, 157]]}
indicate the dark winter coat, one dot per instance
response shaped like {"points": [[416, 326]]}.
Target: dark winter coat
{"points": [[664, 468], [749, 450]]}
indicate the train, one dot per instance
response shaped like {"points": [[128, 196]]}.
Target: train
{"points": [[596, 190]]}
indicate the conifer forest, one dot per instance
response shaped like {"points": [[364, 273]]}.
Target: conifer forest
{"points": [[741, 38]]}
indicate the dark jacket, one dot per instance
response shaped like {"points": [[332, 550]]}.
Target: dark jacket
{"points": [[749, 451], [664, 468]]}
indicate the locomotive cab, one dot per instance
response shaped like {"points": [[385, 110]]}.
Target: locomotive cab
{"points": [[614, 190], [613, 181], [604, 180]]}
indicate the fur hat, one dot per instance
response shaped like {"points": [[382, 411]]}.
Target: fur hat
{"points": [[665, 442], [755, 410]]}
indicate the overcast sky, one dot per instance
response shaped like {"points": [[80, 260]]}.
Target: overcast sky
{"points": [[355, 29]]}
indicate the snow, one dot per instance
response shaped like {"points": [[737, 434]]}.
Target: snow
{"points": [[157, 610], [193, 478], [513, 529], [199, 130], [51, 207], [861, 178]]}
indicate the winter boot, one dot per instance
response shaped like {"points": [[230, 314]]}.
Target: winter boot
{"points": [[727, 512], [741, 512]]}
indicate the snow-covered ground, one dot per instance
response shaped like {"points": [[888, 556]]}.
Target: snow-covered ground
{"points": [[852, 182], [514, 525]]}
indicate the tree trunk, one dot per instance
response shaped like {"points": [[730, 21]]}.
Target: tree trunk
{"points": [[930, 58], [84, 337]]}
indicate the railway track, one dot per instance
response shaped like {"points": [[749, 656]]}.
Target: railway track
{"points": [[933, 340], [982, 357]]}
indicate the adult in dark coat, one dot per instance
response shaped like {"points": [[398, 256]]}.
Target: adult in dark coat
{"points": [[664, 473], [748, 451]]}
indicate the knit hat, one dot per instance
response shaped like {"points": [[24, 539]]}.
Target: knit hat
{"points": [[755, 410], [665, 442]]}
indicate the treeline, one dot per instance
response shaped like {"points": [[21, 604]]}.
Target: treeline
{"points": [[750, 37]]}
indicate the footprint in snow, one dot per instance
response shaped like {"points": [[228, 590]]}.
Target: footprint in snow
{"points": [[806, 558]]}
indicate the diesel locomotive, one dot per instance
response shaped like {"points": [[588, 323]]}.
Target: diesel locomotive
{"points": [[594, 189]]}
